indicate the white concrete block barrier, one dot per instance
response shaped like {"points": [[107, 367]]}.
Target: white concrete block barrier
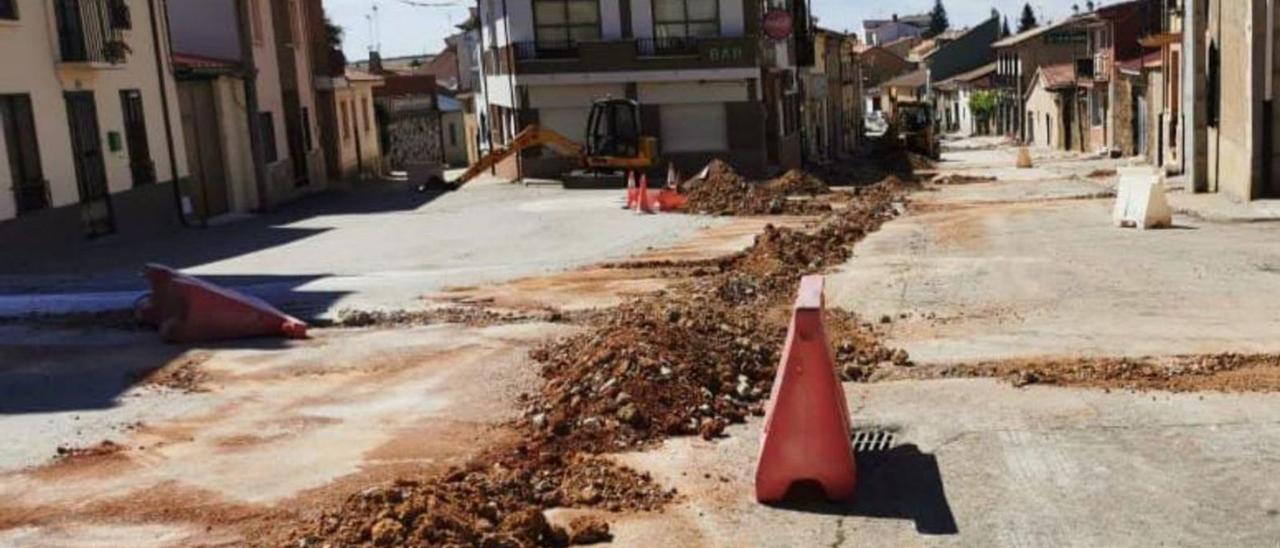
{"points": [[1140, 199]]}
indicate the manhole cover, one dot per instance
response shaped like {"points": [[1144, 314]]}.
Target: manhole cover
{"points": [[872, 440]]}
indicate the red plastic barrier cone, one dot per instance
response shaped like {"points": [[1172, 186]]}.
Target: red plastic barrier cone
{"points": [[198, 311], [631, 190], [150, 309], [644, 203], [806, 429]]}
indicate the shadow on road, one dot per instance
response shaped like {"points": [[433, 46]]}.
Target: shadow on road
{"points": [[87, 361], [111, 263], [901, 483]]}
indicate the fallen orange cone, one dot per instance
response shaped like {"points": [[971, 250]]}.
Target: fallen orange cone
{"points": [[187, 310], [806, 428]]}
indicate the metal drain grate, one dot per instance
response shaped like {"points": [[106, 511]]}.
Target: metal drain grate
{"points": [[872, 440]]}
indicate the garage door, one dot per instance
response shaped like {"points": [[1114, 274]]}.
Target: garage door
{"points": [[694, 128], [570, 122]]}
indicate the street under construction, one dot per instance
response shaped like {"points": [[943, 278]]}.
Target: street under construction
{"points": [[997, 373]]}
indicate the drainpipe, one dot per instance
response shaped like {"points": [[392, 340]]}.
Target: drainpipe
{"points": [[164, 109], [249, 73]]}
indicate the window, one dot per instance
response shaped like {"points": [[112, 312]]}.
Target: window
{"points": [[18, 125], [346, 120], [453, 135], [364, 111], [561, 24], [9, 9], [686, 18], [268, 129], [306, 128]]}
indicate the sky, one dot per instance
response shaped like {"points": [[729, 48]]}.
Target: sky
{"points": [[407, 29]]}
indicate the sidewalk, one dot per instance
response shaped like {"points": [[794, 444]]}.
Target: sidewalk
{"points": [[1217, 208]]}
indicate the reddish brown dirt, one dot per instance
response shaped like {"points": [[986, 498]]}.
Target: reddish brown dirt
{"points": [[685, 361], [1102, 174], [724, 192], [1197, 373], [68, 455], [185, 374], [470, 316]]}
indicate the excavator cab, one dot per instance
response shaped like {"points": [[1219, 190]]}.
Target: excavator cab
{"points": [[613, 129]]}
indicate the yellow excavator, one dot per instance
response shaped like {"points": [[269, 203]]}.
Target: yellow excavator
{"points": [[614, 145]]}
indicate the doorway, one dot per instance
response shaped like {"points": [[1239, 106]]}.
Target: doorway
{"points": [[97, 217], [135, 134], [30, 192], [204, 147]]}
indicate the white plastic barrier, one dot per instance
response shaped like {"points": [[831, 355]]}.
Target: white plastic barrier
{"points": [[1140, 199]]}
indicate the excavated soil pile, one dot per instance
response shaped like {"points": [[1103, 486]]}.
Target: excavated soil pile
{"points": [[497, 500], [689, 360], [725, 192], [703, 355], [1223, 372]]}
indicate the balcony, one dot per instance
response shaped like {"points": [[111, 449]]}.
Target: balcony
{"points": [[92, 31], [632, 55], [528, 51]]}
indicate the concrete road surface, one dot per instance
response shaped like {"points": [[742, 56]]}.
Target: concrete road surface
{"points": [[371, 248]]}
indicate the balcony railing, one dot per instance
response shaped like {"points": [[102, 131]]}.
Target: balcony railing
{"points": [[671, 45], [527, 51], [92, 30]]}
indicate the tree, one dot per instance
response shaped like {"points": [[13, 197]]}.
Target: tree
{"points": [[1028, 20], [332, 34], [938, 22], [983, 106], [1004, 29]]}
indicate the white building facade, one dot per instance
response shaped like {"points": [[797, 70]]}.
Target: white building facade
{"points": [[710, 85]]}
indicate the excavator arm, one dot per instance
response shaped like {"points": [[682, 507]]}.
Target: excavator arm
{"points": [[532, 136]]}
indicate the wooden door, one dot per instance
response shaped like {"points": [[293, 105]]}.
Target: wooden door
{"points": [[91, 172], [204, 148]]}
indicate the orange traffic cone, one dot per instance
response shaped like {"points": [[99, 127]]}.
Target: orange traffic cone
{"points": [[198, 311], [150, 309], [643, 204], [631, 190], [187, 309], [806, 428]]}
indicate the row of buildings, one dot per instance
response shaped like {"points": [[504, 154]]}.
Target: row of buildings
{"points": [[141, 116], [1186, 84]]}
